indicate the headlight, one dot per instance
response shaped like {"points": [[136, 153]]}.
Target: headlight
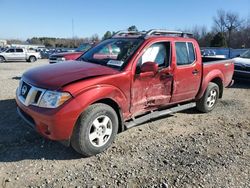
{"points": [[61, 59], [53, 99]]}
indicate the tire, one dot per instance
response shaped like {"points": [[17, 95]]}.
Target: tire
{"points": [[95, 130], [2, 59], [32, 59], [210, 98]]}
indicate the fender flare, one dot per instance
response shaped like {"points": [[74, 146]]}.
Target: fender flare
{"points": [[96, 93], [209, 77]]}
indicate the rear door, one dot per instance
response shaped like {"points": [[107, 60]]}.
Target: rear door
{"points": [[187, 74], [20, 54]]}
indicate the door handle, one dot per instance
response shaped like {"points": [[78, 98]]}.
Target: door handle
{"points": [[166, 76], [195, 72]]}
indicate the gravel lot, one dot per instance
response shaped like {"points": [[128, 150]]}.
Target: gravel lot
{"points": [[187, 149]]}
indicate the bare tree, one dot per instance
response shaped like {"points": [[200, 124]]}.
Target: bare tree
{"points": [[226, 23], [232, 23], [220, 21]]}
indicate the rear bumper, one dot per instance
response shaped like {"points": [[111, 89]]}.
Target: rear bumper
{"points": [[231, 83]]}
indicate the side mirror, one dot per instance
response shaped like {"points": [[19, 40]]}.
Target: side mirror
{"points": [[148, 69]]}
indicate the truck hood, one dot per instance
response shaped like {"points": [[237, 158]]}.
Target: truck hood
{"points": [[54, 76]]}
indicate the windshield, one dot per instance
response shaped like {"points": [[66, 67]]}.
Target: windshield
{"points": [[112, 52], [83, 47], [246, 54]]}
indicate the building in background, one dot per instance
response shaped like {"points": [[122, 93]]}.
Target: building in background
{"points": [[3, 43]]}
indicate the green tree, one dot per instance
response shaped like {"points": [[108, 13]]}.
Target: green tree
{"points": [[132, 28], [218, 40], [107, 35]]}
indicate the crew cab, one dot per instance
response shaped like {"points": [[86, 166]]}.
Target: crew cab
{"points": [[86, 103], [66, 56], [19, 54]]}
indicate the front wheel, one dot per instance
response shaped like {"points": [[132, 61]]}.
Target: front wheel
{"points": [[209, 99], [95, 130], [2, 59]]}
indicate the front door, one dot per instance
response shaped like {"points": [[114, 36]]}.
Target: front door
{"points": [[152, 91], [10, 54]]}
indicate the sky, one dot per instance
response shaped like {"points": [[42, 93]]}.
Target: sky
{"points": [[22, 19]]}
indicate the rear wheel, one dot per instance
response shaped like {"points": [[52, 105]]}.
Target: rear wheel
{"points": [[32, 59], [95, 130], [2, 59], [210, 98]]}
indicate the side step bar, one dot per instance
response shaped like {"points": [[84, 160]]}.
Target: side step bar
{"points": [[155, 114]]}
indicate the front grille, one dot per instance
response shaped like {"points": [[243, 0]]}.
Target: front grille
{"points": [[54, 57], [25, 90], [28, 94]]}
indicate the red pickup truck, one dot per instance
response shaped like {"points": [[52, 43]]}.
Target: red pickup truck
{"points": [[87, 102]]}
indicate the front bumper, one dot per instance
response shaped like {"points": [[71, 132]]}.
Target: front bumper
{"points": [[54, 124]]}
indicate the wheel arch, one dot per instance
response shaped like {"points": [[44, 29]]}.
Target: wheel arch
{"points": [[107, 95], [216, 77], [3, 57], [117, 109], [219, 82], [32, 56]]}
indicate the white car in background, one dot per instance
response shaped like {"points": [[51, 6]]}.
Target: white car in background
{"points": [[19, 54], [242, 65]]}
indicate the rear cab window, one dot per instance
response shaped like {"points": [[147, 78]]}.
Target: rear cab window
{"points": [[185, 54]]}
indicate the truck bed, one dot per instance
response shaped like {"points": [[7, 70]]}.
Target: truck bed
{"points": [[224, 68]]}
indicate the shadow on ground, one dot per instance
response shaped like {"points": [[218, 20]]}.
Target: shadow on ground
{"points": [[19, 142], [16, 78]]}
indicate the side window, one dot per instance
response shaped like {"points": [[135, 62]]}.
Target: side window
{"points": [[10, 51], [158, 53], [105, 50], [185, 53], [191, 52], [19, 50]]}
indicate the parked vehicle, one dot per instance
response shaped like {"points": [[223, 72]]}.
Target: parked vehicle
{"points": [[87, 102], [65, 56], [19, 54], [242, 65]]}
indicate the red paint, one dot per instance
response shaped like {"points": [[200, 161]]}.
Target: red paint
{"points": [[133, 93]]}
